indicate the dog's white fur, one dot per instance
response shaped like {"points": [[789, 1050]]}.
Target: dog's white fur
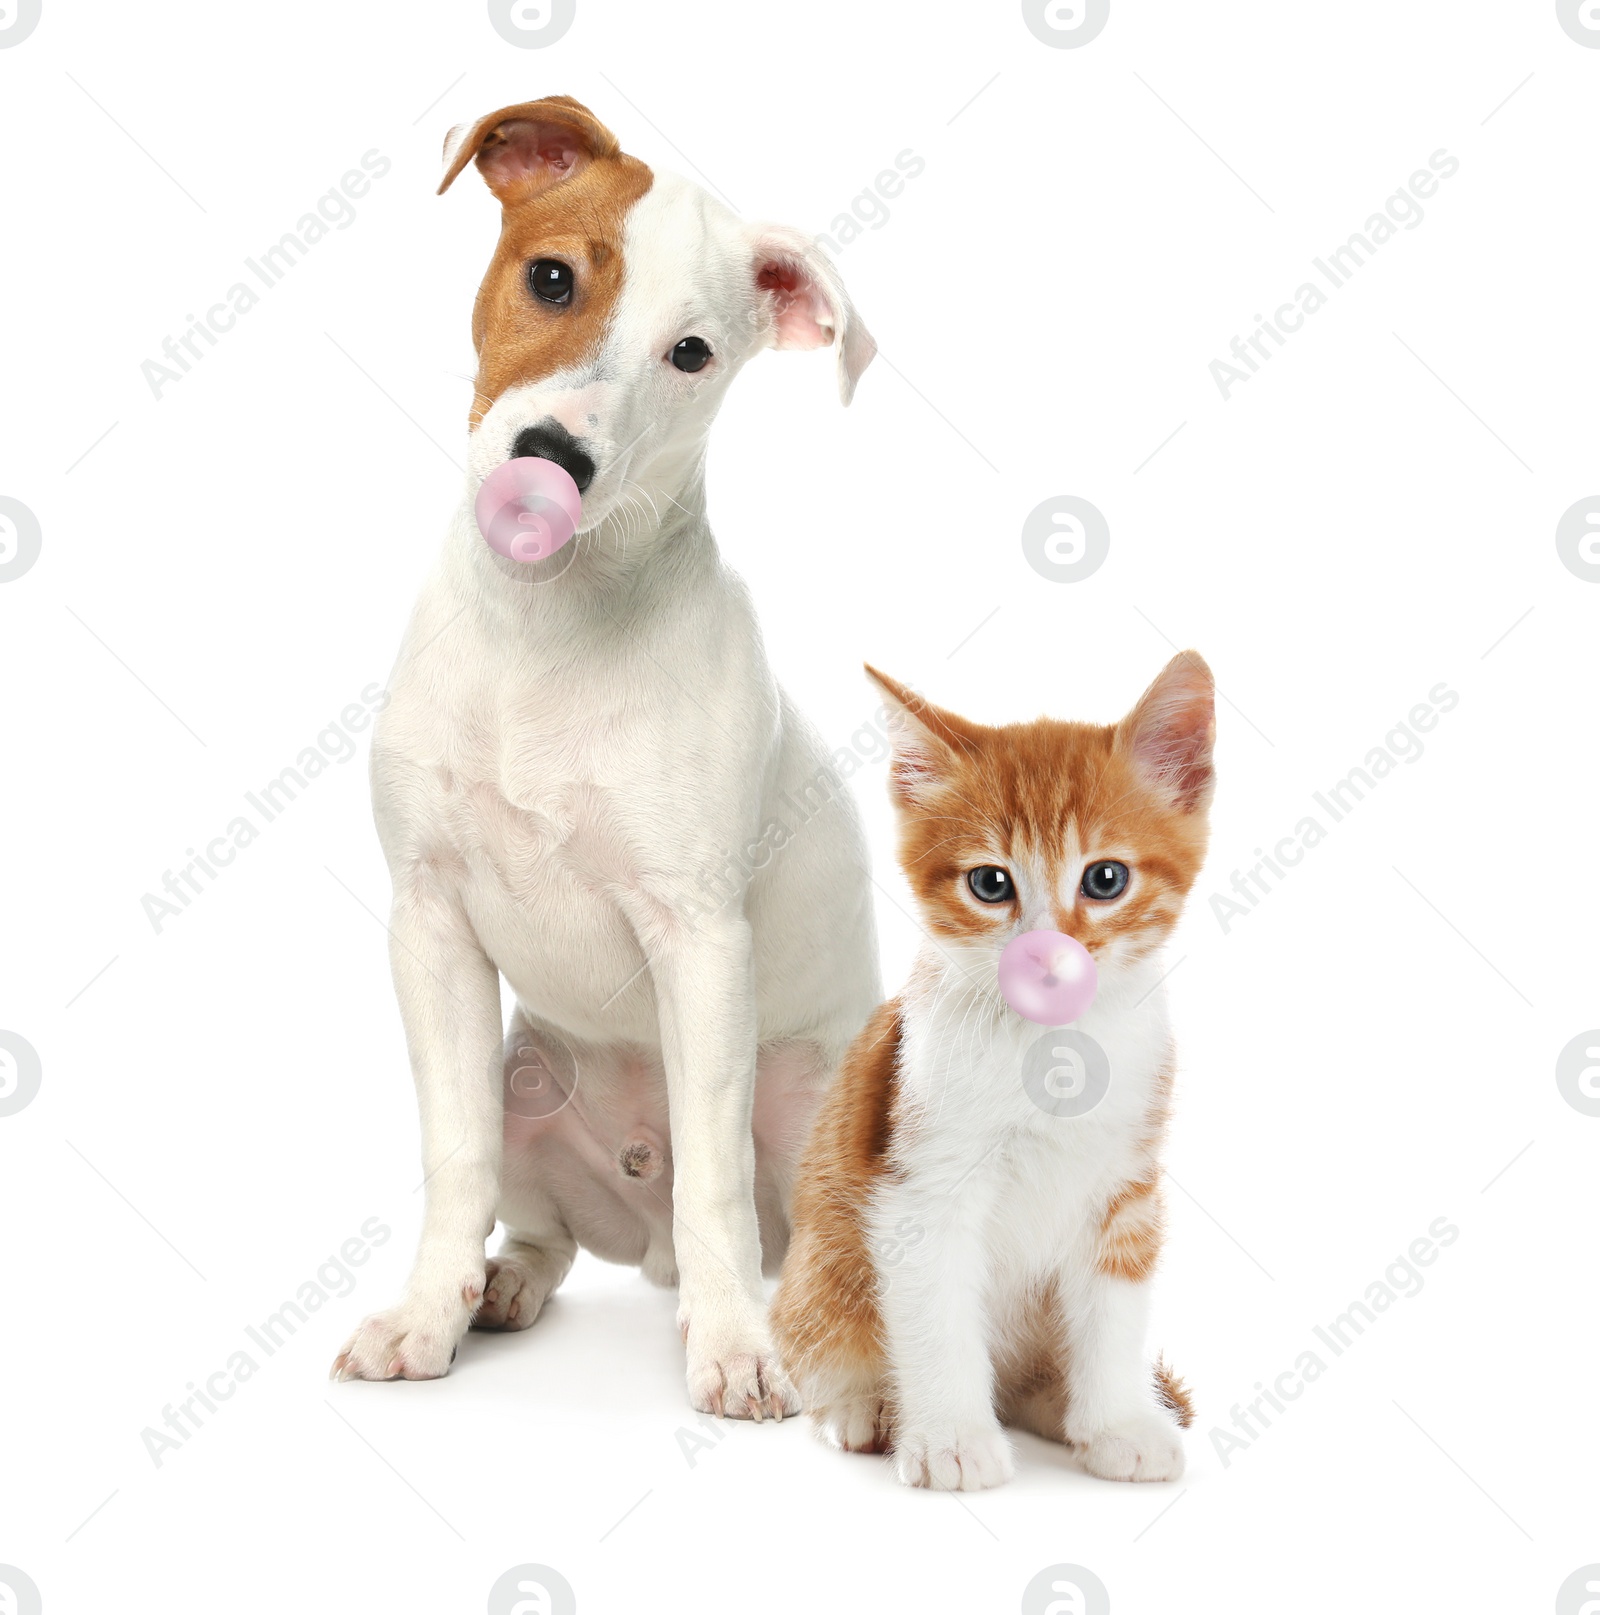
{"points": [[572, 755]]}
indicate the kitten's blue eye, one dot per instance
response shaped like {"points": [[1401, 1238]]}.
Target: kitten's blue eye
{"points": [[1106, 880], [989, 883]]}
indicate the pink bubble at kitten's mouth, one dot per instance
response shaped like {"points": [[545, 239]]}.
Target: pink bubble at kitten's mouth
{"points": [[1048, 977]]}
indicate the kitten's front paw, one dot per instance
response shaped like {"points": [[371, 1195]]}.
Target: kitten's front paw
{"points": [[967, 1458], [854, 1424], [1143, 1448]]}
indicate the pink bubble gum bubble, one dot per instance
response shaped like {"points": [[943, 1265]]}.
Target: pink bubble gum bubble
{"points": [[1048, 977], [527, 509]]}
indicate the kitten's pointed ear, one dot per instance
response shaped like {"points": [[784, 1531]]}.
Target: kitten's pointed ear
{"points": [[1169, 733], [926, 740]]}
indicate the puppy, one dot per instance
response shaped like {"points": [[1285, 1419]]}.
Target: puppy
{"points": [[587, 783]]}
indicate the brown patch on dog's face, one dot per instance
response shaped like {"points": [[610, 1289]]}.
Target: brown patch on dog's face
{"points": [[565, 190], [579, 223], [1046, 800]]}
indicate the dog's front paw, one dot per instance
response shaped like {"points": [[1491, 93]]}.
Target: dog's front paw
{"points": [[964, 1458], [1144, 1448], [513, 1296], [735, 1374], [415, 1340]]}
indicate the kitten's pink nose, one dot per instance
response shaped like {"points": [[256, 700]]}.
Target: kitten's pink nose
{"points": [[1048, 977]]}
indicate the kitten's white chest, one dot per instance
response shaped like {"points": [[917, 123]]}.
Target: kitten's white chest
{"points": [[1035, 1129]]}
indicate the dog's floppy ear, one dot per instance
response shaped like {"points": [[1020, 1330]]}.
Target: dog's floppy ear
{"points": [[525, 149], [806, 301]]}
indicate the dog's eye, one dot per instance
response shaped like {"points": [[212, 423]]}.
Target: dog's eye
{"points": [[989, 883], [691, 354], [1103, 881], [550, 280]]}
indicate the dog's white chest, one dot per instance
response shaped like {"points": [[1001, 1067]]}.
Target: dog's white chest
{"points": [[547, 847]]}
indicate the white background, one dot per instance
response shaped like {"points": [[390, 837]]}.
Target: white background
{"points": [[1372, 514]]}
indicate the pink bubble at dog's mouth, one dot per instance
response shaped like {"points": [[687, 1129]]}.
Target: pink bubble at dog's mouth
{"points": [[527, 508]]}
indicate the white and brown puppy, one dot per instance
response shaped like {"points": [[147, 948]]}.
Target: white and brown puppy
{"points": [[580, 760]]}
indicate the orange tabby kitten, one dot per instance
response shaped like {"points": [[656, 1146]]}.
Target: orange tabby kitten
{"points": [[978, 1211]]}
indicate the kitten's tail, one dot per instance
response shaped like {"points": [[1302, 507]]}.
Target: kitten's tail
{"points": [[1038, 1402], [1174, 1394]]}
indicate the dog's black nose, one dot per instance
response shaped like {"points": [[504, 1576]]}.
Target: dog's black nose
{"points": [[550, 440]]}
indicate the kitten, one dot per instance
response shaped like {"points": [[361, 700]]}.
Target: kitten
{"points": [[978, 1211]]}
